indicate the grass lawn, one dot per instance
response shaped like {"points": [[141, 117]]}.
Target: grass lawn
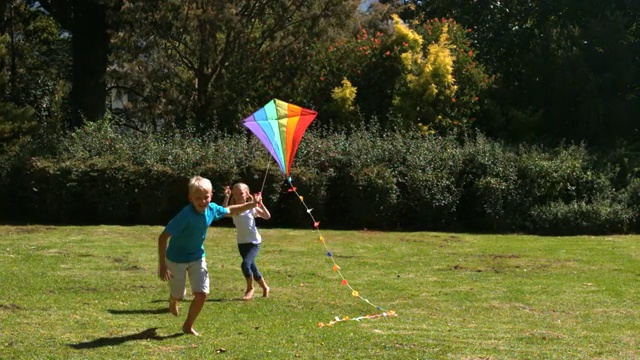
{"points": [[93, 293]]}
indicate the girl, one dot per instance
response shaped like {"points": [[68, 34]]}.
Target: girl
{"points": [[247, 235]]}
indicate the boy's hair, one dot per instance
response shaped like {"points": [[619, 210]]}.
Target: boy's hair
{"points": [[198, 182]]}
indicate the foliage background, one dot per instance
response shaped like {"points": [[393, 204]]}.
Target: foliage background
{"points": [[443, 115], [393, 181]]}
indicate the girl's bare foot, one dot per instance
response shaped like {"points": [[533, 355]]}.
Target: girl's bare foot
{"points": [[264, 286], [248, 295], [173, 306], [190, 330]]}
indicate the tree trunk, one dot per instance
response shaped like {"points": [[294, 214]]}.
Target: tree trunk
{"points": [[3, 12], [90, 45], [202, 103]]}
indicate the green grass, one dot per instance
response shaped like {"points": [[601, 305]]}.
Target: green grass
{"points": [[93, 293]]}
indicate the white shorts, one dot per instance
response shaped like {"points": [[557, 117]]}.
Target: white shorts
{"points": [[198, 278]]}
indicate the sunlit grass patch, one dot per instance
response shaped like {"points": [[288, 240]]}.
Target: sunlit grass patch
{"points": [[93, 292]]}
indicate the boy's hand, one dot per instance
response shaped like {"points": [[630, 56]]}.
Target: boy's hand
{"points": [[258, 199], [164, 273], [251, 199], [227, 191]]}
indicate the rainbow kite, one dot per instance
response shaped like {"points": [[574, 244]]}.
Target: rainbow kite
{"points": [[280, 126]]}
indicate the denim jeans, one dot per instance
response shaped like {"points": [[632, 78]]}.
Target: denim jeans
{"points": [[248, 266]]}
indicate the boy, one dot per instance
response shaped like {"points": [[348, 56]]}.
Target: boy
{"points": [[185, 253]]}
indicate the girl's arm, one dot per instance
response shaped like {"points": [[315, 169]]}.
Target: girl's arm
{"points": [[261, 210], [227, 196]]}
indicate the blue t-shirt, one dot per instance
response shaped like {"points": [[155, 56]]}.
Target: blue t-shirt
{"points": [[188, 230]]}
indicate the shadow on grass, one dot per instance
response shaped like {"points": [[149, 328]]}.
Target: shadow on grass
{"points": [[139, 312], [149, 334], [219, 300]]}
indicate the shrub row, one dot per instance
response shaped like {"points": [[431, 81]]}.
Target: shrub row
{"points": [[393, 181]]}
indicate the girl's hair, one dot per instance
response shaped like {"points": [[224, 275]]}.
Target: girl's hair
{"points": [[198, 182], [232, 201]]}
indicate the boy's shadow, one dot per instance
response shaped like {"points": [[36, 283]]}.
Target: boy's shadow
{"points": [[150, 333], [219, 300], [140, 312]]}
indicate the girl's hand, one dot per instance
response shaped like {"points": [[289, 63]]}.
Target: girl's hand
{"points": [[227, 191], [258, 199]]}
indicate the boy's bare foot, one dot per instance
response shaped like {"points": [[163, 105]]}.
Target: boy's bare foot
{"points": [[248, 295], [173, 306], [265, 291], [189, 330]]}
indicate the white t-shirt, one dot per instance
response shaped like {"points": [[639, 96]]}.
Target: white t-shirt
{"points": [[246, 231]]}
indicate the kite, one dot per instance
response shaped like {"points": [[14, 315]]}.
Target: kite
{"points": [[280, 127]]}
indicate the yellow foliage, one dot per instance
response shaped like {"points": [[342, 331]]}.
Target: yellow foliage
{"points": [[439, 64], [344, 96], [427, 74], [432, 91], [405, 35], [425, 129]]}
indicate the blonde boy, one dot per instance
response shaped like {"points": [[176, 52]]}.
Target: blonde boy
{"points": [[185, 253]]}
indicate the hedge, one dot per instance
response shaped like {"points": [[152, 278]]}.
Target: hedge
{"points": [[366, 179]]}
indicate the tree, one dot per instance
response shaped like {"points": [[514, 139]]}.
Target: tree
{"points": [[420, 72], [208, 63], [87, 21], [565, 69], [33, 72], [16, 122]]}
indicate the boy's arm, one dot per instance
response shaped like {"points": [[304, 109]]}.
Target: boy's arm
{"points": [[163, 271], [239, 208]]}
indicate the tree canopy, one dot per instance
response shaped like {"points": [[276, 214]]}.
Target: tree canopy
{"points": [[520, 70]]}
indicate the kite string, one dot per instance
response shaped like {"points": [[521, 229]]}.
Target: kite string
{"points": [[336, 268], [265, 175]]}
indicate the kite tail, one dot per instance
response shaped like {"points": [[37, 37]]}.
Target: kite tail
{"points": [[336, 268]]}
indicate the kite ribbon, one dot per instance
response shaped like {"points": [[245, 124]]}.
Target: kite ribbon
{"points": [[336, 268]]}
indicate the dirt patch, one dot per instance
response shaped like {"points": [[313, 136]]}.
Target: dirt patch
{"points": [[78, 289], [504, 256], [28, 229], [452, 238], [411, 240], [370, 232], [143, 287], [10, 307], [458, 267], [344, 256]]}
